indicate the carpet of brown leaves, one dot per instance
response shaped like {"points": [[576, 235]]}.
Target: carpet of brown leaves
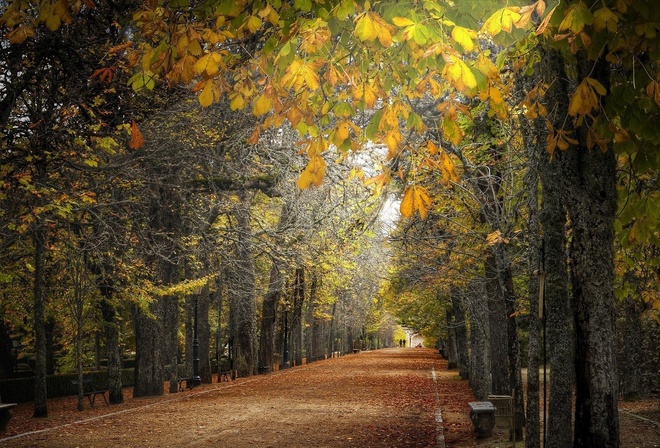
{"points": [[384, 398]]}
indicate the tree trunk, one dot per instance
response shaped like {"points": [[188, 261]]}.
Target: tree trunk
{"points": [[204, 337], [632, 383], [532, 422], [590, 177], [171, 340], [317, 323], [480, 361], [296, 321], [40, 392], [269, 317], [149, 373], [498, 330], [113, 349], [244, 300], [452, 345], [460, 333]]}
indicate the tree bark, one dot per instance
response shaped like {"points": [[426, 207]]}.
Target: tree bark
{"points": [[113, 348], [498, 336], [590, 177], [317, 322], [479, 359], [243, 301], [204, 337], [296, 321], [632, 383], [460, 333], [40, 392], [271, 301], [532, 422], [149, 373]]}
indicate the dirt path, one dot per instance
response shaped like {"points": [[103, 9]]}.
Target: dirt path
{"points": [[384, 398]]}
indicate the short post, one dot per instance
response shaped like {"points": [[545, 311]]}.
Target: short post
{"points": [[482, 414]]}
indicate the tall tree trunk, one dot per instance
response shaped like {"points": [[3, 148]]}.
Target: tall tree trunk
{"points": [[244, 300], [513, 346], [296, 321], [149, 373], [113, 348], [269, 317], [40, 392], [632, 383], [317, 322], [532, 422], [452, 345], [270, 302], [204, 336], [171, 340], [590, 177], [49, 327], [553, 222], [498, 337], [460, 333], [480, 361], [560, 336]]}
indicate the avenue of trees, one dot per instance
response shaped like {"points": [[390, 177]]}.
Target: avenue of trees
{"points": [[241, 159]]}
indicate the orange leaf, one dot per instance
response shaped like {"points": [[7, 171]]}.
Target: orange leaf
{"points": [[137, 140]]}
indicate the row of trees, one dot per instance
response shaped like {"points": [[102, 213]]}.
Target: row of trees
{"points": [[524, 135], [108, 229]]}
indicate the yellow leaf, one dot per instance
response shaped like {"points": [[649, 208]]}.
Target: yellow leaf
{"points": [[208, 64], [305, 180], [206, 97], [393, 139], [464, 36], [402, 22], [407, 207], [341, 132], [236, 101], [415, 198], [253, 24], [584, 99], [502, 20], [20, 34], [432, 147], [460, 75], [369, 26], [300, 75], [448, 169], [600, 89], [422, 201], [194, 47], [605, 18], [262, 105], [451, 131], [653, 91]]}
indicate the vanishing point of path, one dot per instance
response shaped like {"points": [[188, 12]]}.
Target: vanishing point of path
{"points": [[383, 398]]}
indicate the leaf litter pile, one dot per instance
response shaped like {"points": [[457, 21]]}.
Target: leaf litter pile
{"points": [[383, 398]]}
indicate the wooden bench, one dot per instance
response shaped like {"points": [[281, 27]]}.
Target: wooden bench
{"points": [[224, 375], [264, 370], [5, 414], [90, 391]]}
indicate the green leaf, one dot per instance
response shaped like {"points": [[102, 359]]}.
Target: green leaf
{"points": [[374, 123], [303, 5]]}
